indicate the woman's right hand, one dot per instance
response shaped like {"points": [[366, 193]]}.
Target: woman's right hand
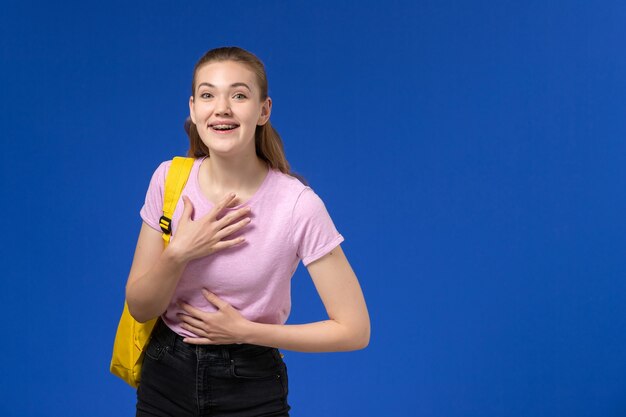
{"points": [[202, 237]]}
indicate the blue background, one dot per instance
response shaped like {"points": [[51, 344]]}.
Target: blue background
{"points": [[471, 153]]}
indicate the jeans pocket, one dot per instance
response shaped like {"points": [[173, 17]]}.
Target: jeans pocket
{"points": [[260, 366], [155, 349]]}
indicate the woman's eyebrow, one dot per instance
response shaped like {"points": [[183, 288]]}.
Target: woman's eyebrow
{"points": [[232, 85]]}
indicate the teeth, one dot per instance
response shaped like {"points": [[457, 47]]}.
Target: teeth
{"points": [[224, 127]]}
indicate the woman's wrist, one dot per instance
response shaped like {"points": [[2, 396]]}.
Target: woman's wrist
{"points": [[175, 255], [248, 332]]}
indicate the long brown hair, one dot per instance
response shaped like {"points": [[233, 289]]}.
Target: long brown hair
{"points": [[269, 146]]}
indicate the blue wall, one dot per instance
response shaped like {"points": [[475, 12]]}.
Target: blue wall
{"points": [[471, 153]]}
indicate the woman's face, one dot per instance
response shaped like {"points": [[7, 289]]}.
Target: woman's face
{"points": [[226, 107]]}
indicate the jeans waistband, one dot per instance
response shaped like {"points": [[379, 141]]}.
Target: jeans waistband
{"points": [[170, 338]]}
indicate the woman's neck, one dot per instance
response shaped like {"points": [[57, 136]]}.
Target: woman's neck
{"points": [[233, 174]]}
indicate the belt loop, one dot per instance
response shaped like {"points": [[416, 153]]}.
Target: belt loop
{"points": [[226, 353]]}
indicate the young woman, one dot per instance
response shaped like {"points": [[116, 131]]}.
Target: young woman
{"points": [[222, 286]]}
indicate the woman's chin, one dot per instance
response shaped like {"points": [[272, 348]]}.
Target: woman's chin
{"points": [[222, 149]]}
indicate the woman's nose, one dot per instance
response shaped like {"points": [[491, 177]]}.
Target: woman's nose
{"points": [[222, 106]]}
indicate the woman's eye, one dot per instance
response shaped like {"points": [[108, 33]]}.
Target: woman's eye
{"points": [[239, 95], [205, 95]]}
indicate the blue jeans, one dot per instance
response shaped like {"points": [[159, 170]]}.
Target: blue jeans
{"points": [[179, 379]]}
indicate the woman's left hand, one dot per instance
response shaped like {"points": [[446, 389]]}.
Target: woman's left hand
{"points": [[225, 326]]}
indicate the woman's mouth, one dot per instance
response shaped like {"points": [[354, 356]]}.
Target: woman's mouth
{"points": [[223, 128]]}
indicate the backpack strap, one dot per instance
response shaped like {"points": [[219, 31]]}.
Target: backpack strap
{"points": [[174, 183]]}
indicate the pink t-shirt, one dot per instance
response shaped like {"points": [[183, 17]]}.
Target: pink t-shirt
{"points": [[289, 223]]}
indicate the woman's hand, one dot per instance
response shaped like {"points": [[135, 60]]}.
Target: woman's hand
{"points": [[196, 239], [225, 326]]}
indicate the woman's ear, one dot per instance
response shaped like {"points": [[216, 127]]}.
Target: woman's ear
{"points": [[193, 119], [266, 110]]}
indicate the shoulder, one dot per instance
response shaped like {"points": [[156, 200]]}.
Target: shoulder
{"points": [[287, 182], [305, 202], [163, 167], [159, 176], [290, 194], [160, 173], [286, 187], [292, 187]]}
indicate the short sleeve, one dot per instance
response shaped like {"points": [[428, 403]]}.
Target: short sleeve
{"points": [[313, 230], [152, 209]]}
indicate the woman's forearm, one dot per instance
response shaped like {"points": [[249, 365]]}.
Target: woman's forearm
{"points": [[321, 336], [149, 295]]}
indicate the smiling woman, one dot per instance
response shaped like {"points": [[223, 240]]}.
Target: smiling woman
{"points": [[221, 288], [224, 103]]}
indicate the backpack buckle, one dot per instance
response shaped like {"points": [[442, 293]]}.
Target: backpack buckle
{"points": [[166, 225]]}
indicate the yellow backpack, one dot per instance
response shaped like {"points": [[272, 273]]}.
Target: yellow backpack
{"points": [[132, 337]]}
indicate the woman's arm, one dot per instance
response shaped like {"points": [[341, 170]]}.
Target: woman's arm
{"points": [[348, 327], [153, 276]]}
